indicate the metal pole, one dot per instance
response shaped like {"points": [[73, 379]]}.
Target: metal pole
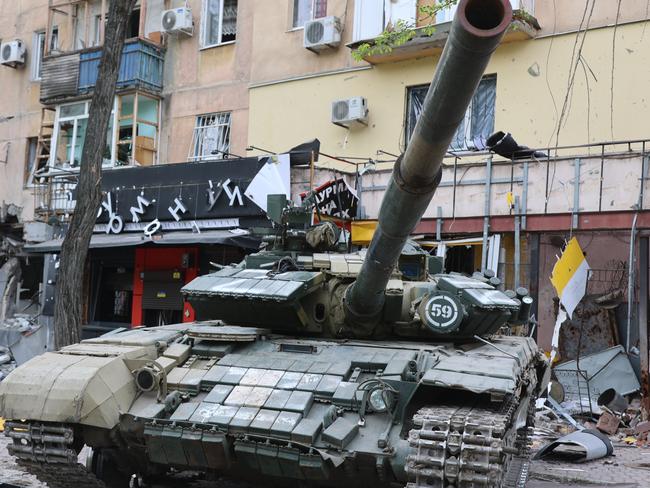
{"points": [[524, 197], [630, 284], [644, 250], [602, 168], [517, 243], [486, 212], [576, 194], [453, 205]]}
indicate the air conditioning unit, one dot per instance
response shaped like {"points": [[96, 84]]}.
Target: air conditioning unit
{"points": [[350, 111], [177, 20], [12, 53], [322, 33]]}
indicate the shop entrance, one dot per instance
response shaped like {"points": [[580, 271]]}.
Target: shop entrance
{"points": [[160, 273]]}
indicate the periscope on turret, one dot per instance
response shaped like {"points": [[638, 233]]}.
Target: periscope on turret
{"points": [[309, 363]]}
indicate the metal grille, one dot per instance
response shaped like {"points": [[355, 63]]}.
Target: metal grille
{"points": [[340, 110], [315, 32], [476, 126], [211, 139]]}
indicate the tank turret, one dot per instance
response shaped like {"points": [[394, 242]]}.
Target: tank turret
{"points": [[311, 286], [476, 31]]}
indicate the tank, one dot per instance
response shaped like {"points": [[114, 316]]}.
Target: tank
{"points": [[309, 365]]}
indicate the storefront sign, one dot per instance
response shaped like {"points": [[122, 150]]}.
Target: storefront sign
{"points": [[194, 196]]}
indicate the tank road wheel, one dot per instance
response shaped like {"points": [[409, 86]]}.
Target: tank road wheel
{"points": [[105, 465]]}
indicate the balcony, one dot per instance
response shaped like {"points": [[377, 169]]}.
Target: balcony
{"points": [[523, 26], [72, 75]]}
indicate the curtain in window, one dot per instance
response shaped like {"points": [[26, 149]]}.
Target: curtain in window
{"points": [[229, 26], [302, 12], [320, 8], [478, 123], [211, 138], [416, 103]]}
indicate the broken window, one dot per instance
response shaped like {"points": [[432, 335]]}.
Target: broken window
{"points": [[211, 139], [219, 22], [138, 129], [133, 125], [478, 123], [306, 10], [69, 133], [38, 50], [133, 27]]}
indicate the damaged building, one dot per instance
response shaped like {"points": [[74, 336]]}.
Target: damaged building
{"points": [[201, 90]]}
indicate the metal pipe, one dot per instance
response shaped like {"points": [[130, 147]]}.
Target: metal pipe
{"points": [[476, 31], [630, 283], [486, 213], [517, 243], [644, 251]]}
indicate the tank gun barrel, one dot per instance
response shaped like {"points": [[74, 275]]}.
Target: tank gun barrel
{"points": [[476, 31]]}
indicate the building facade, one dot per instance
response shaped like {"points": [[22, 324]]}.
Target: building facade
{"points": [[569, 80]]}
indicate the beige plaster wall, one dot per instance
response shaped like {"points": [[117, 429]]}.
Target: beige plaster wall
{"points": [[19, 105], [199, 81], [278, 51], [529, 99]]}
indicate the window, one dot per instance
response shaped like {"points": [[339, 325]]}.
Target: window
{"points": [[69, 133], [371, 17], [97, 30], [137, 113], [211, 138], [219, 22], [38, 49], [478, 123], [133, 26], [306, 10], [132, 113], [30, 160], [446, 14]]}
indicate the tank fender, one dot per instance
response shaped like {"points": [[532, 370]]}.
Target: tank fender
{"points": [[68, 388]]}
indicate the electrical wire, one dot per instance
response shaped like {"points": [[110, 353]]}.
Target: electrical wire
{"points": [[645, 24], [575, 56], [584, 70]]}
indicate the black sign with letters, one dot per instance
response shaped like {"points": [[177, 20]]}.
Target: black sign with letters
{"points": [[189, 196]]}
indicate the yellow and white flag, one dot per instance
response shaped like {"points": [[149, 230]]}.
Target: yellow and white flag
{"points": [[570, 275]]}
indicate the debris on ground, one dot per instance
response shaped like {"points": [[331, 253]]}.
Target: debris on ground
{"points": [[581, 445]]}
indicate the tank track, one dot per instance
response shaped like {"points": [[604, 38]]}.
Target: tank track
{"points": [[46, 451], [467, 446]]}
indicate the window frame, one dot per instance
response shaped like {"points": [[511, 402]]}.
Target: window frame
{"points": [[196, 155], [38, 49], [467, 119], [292, 26], [204, 30], [31, 159]]}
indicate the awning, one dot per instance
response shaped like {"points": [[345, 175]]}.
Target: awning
{"points": [[224, 237]]}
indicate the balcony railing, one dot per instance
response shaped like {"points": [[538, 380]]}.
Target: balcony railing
{"points": [[71, 75]]}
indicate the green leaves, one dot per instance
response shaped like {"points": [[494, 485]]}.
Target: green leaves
{"points": [[400, 33]]}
